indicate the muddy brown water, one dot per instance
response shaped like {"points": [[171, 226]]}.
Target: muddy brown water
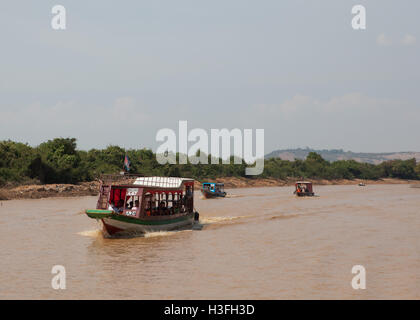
{"points": [[260, 243]]}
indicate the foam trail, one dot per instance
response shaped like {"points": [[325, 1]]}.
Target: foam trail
{"points": [[163, 233], [90, 233], [209, 220]]}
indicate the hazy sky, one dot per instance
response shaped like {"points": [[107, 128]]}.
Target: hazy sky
{"points": [[123, 70]]}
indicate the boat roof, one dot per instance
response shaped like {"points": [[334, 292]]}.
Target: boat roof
{"points": [[304, 182], [161, 182], [215, 183]]}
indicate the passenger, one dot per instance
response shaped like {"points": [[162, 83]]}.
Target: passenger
{"points": [[189, 191], [162, 207], [136, 205], [120, 206], [112, 207], [129, 205]]}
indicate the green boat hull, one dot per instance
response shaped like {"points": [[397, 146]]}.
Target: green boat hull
{"points": [[99, 214]]}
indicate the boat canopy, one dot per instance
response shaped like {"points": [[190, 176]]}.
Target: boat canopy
{"points": [[162, 182], [213, 184]]}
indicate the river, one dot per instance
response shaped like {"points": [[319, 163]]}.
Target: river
{"points": [[259, 243]]}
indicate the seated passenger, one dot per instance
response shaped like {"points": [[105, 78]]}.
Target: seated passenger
{"points": [[120, 206], [136, 205], [175, 205], [112, 207], [189, 191], [162, 207]]}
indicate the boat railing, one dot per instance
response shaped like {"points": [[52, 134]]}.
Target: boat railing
{"points": [[112, 179]]}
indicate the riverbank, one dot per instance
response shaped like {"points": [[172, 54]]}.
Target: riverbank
{"points": [[50, 190], [91, 188], [233, 182]]}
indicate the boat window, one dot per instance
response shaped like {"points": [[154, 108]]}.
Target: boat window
{"points": [[155, 200], [117, 195], [148, 201], [176, 203], [170, 200], [132, 202], [166, 203]]}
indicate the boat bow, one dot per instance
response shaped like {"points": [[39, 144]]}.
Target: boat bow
{"points": [[98, 214]]}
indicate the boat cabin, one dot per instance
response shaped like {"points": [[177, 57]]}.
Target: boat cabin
{"points": [[213, 187], [304, 188], [148, 196]]}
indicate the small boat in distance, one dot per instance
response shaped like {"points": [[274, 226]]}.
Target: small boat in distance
{"points": [[213, 190], [361, 184], [304, 188], [136, 205]]}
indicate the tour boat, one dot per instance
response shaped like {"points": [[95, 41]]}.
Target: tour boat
{"points": [[213, 190], [145, 204], [304, 188]]}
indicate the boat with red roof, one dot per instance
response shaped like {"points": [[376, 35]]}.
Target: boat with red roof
{"points": [[133, 204]]}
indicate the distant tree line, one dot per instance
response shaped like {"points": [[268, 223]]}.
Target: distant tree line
{"points": [[59, 161]]}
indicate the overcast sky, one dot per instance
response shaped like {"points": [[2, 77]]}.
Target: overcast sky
{"points": [[123, 70]]}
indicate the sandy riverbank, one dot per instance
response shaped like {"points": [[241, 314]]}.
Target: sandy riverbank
{"points": [[91, 188], [232, 182], [50, 190]]}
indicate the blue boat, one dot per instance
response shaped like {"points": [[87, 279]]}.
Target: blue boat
{"points": [[213, 190]]}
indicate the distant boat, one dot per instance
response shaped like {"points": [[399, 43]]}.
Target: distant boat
{"points": [[304, 189], [361, 184], [146, 204], [213, 190]]}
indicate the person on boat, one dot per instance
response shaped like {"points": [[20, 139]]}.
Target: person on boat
{"points": [[112, 207], [136, 205], [176, 206], [162, 207], [148, 206], [120, 206], [189, 191], [116, 208]]}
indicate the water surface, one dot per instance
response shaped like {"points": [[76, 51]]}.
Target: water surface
{"points": [[260, 243]]}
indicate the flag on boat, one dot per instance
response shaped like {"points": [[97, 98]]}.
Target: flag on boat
{"points": [[127, 163]]}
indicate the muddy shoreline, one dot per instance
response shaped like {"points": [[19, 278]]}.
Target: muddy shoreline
{"points": [[49, 191], [92, 188]]}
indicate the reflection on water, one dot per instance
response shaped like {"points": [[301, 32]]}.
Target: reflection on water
{"points": [[259, 243]]}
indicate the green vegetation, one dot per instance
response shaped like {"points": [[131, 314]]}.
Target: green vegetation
{"points": [[59, 161]]}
